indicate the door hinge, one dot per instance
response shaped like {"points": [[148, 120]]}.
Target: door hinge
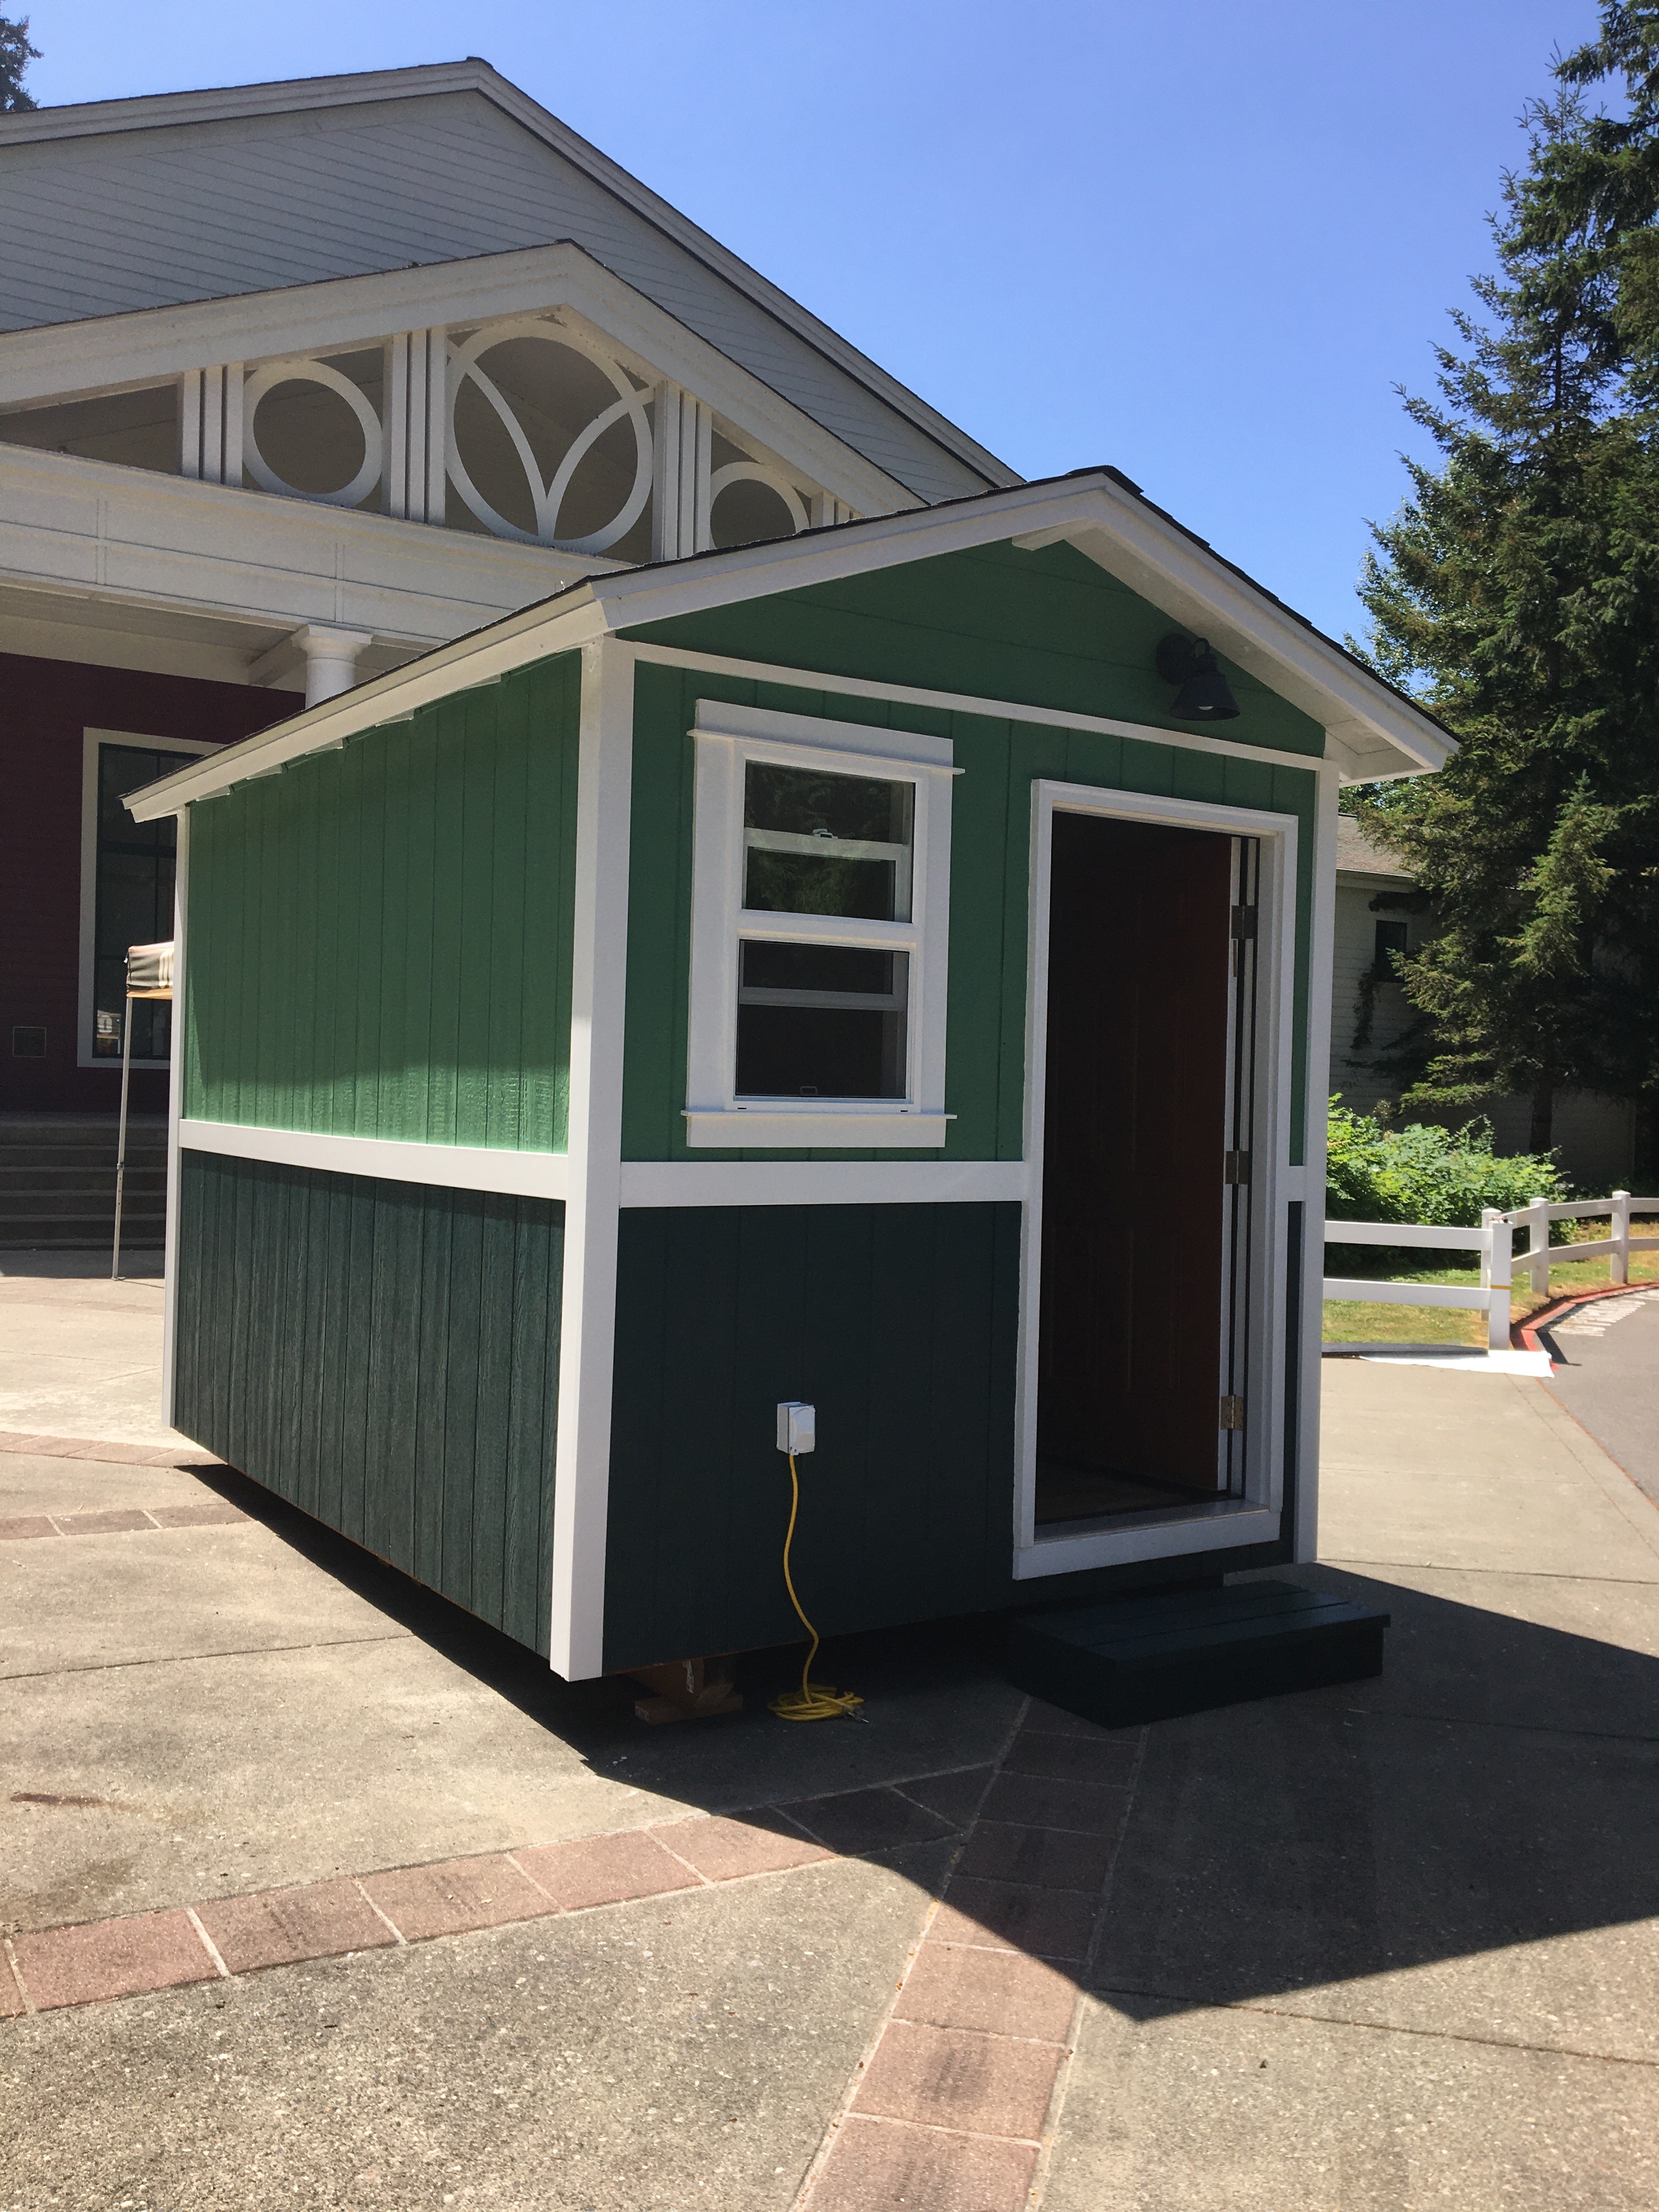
{"points": [[1244, 921], [1235, 1167], [1233, 1412]]}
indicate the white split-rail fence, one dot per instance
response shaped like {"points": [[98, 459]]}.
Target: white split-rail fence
{"points": [[1494, 1239]]}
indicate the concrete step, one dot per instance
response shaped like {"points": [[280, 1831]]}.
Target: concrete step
{"points": [[96, 1204], [1184, 1651], [92, 1179]]}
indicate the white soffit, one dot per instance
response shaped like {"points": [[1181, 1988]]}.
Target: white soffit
{"points": [[1375, 730]]}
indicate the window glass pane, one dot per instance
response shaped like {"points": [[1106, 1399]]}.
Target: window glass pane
{"points": [[817, 843], [820, 1021], [134, 901], [1391, 937]]}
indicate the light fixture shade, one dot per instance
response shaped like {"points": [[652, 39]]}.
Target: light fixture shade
{"points": [[1205, 695]]}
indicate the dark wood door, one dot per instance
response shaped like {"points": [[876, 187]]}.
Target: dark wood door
{"points": [[1135, 1129]]}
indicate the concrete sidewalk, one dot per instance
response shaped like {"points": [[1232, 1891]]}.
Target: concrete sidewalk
{"points": [[1385, 1947]]}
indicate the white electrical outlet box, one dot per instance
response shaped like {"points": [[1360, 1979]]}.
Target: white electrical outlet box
{"points": [[797, 1427]]}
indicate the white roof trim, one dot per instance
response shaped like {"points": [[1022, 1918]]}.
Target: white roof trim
{"points": [[1370, 724], [169, 110], [62, 361]]}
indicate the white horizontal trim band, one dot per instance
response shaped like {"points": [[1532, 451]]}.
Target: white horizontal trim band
{"points": [[450, 1166], [644, 1182], [715, 719], [821, 1182], [753, 1128]]}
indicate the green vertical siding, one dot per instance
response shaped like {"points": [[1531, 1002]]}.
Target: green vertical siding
{"points": [[990, 862], [381, 938], [899, 1323], [385, 1357], [1049, 629]]}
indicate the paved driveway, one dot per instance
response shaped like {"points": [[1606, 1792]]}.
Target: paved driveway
{"points": [[402, 1921]]}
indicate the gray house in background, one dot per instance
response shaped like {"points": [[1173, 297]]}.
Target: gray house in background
{"points": [[1380, 911]]}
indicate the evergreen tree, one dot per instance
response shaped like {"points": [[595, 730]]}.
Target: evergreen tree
{"points": [[1517, 593], [16, 55]]}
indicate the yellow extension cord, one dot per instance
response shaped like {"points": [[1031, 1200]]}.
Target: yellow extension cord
{"points": [[813, 1701]]}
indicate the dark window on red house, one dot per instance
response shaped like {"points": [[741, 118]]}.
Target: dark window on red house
{"points": [[135, 866]]}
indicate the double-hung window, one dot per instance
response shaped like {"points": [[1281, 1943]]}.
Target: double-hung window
{"points": [[820, 918]]}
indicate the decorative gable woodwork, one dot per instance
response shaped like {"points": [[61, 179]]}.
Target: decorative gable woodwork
{"points": [[538, 428]]}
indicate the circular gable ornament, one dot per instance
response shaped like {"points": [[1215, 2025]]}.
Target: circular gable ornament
{"points": [[310, 372]]}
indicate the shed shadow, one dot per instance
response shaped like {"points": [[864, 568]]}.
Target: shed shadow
{"points": [[1489, 1790]]}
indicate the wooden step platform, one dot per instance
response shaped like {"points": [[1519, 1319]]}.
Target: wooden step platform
{"points": [[1150, 1658]]}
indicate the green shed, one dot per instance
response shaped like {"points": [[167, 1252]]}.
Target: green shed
{"points": [[886, 968]]}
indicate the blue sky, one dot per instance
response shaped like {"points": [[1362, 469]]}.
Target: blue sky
{"points": [[1201, 239]]}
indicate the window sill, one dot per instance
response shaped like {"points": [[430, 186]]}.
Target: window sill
{"points": [[746, 1127]]}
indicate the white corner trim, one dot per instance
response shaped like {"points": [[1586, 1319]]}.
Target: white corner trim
{"points": [[1221, 1527], [581, 1490], [175, 1119], [658, 1183], [749, 1127], [445, 1167]]}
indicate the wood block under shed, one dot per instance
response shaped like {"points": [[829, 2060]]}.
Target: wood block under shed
{"points": [[1148, 1659]]}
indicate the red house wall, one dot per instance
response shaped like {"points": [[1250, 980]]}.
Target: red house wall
{"points": [[45, 707]]}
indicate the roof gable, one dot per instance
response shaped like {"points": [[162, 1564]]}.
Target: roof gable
{"points": [[140, 204], [1369, 730]]}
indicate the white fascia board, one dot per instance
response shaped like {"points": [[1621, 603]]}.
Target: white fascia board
{"points": [[100, 530], [1374, 733], [170, 110], [62, 361], [1191, 585], [483, 658]]}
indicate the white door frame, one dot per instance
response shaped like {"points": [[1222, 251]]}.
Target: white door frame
{"points": [[1227, 1522]]}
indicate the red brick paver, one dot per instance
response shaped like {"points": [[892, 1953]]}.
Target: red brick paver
{"points": [[457, 1897], [1047, 1923], [950, 2077], [210, 1513], [114, 1520], [1085, 1807], [1003, 1851], [876, 2167], [96, 1448], [112, 1959], [322, 1920], [605, 1869], [997, 1992], [722, 1848]]}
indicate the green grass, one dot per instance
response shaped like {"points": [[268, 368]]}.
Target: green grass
{"points": [[1356, 1321]]}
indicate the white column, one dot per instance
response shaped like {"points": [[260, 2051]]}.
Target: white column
{"points": [[210, 423], [416, 420], [682, 464], [331, 659], [190, 423], [828, 509]]}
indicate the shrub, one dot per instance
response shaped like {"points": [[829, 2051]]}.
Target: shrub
{"points": [[1440, 1178]]}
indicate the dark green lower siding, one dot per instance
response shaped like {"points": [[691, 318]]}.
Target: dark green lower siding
{"points": [[899, 1323], [385, 1357]]}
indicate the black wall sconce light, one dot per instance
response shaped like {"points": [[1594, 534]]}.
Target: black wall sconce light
{"points": [[1204, 695]]}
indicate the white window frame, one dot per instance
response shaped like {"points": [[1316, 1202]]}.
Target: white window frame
{"points": [[728, 738], [91, 739], [1226, 1522]]}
